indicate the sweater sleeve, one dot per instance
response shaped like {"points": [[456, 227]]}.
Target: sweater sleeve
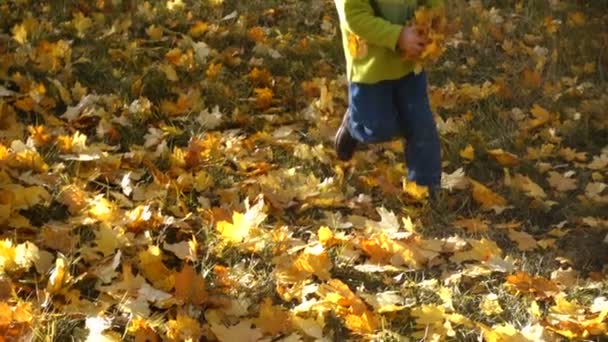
{"points": [[360, 19], [435, 3]]}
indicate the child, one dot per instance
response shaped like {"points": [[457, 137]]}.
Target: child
{"points": [[386, 99]]}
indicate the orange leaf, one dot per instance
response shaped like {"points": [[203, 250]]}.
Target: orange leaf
{"points": [[190, 286], [539, 287], [504, 158]]}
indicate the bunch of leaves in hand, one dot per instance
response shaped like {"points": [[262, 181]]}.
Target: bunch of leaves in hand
{"points": [[431, 25]]}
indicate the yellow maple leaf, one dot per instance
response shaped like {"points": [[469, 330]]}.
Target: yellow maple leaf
{"points": [[184, 328], [314, 260], [366, 323], [102, 209], [490, 306], [326, 236], [431, 322], [153, 268], [487, 198], [242, 224], [154, 32], [417, 192], [264, 97], [81, 23], [198, 29], [576, 18], [503, 333], [272, 320], [482, 250], [20, 33]]}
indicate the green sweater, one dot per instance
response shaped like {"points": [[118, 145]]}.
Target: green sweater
{"points": [[370, 32]]}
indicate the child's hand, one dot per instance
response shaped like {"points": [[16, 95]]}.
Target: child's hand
{"points": [[411, 43]]}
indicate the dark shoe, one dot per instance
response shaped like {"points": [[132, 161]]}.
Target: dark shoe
{"points": [[345, 144]]}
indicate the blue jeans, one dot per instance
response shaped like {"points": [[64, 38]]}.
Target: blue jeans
{"points": [[393, 109]]}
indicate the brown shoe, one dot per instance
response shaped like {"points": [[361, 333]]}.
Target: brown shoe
{"points": [[345, 144]]}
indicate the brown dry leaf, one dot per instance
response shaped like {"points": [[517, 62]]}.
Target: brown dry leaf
{"points": [[525, 184], [190, 286], [565, 278], [531, 79], [541, 117], [561, 183], [525, 241], [473, 225]]}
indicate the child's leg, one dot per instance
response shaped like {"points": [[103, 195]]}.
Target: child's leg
{"points": [[373, 115], [423, 151]]}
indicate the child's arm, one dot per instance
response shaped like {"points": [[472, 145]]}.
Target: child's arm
{"points": [[435, 3], [359, 18]]}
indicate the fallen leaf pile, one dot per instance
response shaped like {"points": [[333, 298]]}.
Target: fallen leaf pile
{"points": [[167, 172]]}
